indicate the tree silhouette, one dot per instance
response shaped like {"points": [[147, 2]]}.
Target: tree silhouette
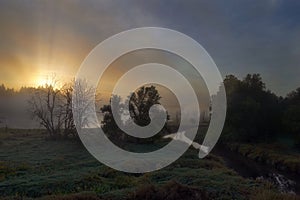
{"points": [[45, 105], [53, 107], [291, 116], [139, 103], [253, 113]]}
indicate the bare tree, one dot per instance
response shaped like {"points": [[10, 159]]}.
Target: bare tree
{"points": [[45, 105], [68, 122], [78, 95], [83, 104], [53, 107]]}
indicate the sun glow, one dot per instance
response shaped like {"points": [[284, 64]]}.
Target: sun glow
{"points": [[42, 81]]}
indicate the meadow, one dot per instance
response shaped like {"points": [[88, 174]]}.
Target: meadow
{"points": [[31, 166], [278, 155]]}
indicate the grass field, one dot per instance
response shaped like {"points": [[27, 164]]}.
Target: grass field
{"points": [[33, 167], [277, 155]]}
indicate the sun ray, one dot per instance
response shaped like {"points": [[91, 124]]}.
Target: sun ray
{"points": [[42, 80]]}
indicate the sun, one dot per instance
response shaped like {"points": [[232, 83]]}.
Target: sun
{"points": [[42, 81]]}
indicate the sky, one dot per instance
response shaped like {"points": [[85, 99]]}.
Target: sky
{"points": [[40, 38]]}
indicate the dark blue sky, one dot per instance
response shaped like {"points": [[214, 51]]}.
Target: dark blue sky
{"points": [[242, 36]]}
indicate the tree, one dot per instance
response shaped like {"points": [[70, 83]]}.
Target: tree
{"points": [[291, 116], [6, 91], [253, 113], [45, 105], [53, 107], [68, 121], [82, 101], [108, 122], [139, 103]]}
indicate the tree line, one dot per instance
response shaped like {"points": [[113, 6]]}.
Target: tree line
{"points": [[253, 113], [256, 114]]}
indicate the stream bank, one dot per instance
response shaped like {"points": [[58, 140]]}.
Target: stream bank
{"points": [[287, 182]]}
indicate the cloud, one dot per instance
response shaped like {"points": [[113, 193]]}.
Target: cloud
{"points": [[242, 37]]}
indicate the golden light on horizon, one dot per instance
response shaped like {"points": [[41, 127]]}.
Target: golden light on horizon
{"points": [[42, 80]]}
